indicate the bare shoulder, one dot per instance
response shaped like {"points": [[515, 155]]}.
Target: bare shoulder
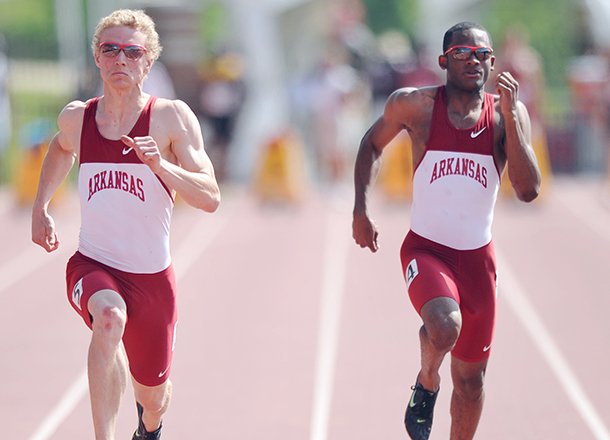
{"points": [[174, 123], [414, 96], [176, 126], [410, 107], [70, 119], [172, 109], [70, 123], [409, 100]]}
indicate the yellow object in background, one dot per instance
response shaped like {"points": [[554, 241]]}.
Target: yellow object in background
{"points": [[34, 138], [27, 174], [280, 175], [396, 174], [540, 146]]}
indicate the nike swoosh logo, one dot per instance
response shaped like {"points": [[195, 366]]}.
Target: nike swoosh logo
{"points": [[486, 348], [412, 401], [126, 152], [161, 374], [475, 134]]}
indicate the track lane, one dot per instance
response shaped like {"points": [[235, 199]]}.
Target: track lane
{"points": [[249, 320]]}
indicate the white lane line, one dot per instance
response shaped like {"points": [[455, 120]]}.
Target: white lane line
{"points": [[595, 216], [334, 269], [29, 261], [532, 322], [186, 256], [63, 408], [193, 245], [34, 257]]}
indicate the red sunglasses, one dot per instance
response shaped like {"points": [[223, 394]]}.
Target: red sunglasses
{"points": [[463, 53], [132, 51]]}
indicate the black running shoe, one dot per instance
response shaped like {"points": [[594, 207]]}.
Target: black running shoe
{"points": [[418, 418], [141, 433]]}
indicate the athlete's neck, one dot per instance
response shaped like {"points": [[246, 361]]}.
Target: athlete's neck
{"points": [[463, 102], [464, 107], [118, 113], [119, 106]]}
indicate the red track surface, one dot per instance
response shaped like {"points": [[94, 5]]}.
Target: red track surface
{"points": [[289, 331]]}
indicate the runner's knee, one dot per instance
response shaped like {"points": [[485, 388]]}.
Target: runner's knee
{"points": [[156, 400], [109, 322], [442, 331], [469, 387]]}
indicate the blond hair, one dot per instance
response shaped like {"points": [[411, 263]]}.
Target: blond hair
{"points": [[135, 19]]}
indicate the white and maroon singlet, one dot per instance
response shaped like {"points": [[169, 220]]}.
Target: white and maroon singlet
{"points": [[125, 208], [456, 183]]}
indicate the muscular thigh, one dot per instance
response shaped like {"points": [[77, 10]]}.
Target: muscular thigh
{"points": [[468, 277], [428, 271], [477, 285], [151, 326], [85, 278], [150, 300]]}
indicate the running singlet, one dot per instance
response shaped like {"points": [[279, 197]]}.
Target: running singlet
{"points": [[125, 208], [456, 183]]}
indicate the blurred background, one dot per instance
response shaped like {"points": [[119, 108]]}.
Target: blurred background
{"points": [[285, 89]]}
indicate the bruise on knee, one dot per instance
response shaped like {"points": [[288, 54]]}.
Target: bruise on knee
{"points": [[110, 319]]}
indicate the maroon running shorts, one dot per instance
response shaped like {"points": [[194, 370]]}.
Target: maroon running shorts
{"points": [[432, 270], [151, 312]]}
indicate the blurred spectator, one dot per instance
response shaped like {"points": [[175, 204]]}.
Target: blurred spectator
{"points": [[589, 76], [524, 63], [159, 83], [340, 100], [221, 98], [516, 56], [422, 71], [396, 52], [348, 27], [5, 106]]}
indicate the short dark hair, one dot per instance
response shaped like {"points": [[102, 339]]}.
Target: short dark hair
{"points": [[461, 27]]}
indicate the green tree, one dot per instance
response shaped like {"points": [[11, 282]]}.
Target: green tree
{"points": [[214, 24], [392, 14], [550, 25], [29, 28]]}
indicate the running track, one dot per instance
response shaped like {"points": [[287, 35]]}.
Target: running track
{"points": [[288, 331]]}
